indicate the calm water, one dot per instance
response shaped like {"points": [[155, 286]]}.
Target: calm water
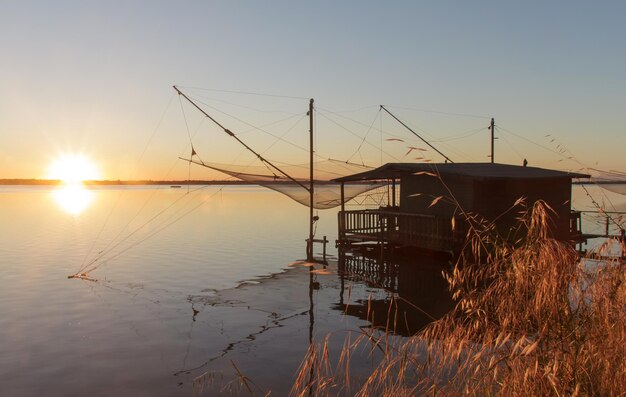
{"points": [[209, 287], [188, 285]]}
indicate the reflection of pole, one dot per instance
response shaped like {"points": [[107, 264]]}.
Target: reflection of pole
{"points": [[311, 318], [311, 324], [309, 248], [341, 265]]}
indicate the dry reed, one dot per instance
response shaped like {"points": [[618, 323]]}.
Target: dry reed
{"points": [[529, 320]]}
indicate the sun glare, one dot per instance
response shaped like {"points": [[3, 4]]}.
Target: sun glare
{"points": [[73, 199], [73, 168]]}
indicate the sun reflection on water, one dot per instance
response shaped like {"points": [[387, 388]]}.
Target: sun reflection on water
{"points": [[73, 198]]}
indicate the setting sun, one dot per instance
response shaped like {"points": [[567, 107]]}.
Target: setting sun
{"points": [[73, 168]]}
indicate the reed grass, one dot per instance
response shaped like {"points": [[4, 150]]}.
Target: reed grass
{"points": [[529, 320]]}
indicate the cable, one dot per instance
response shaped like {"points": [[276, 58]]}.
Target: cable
{"points": [[512, 147], [230, 133], [414, 133], [102, 257], [365, 137], [439, 112], [355, 134], [246, 93]]}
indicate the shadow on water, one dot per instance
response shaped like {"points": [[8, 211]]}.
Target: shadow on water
{"points": [[417, 292], [276, 319]]}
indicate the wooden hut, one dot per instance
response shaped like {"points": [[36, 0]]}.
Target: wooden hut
{"points": [[485, 189]]}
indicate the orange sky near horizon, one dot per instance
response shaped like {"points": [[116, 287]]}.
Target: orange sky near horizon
{"points": [[94, 80]]}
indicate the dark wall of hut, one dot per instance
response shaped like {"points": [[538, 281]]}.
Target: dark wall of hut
{"points": [[490, 198], [494, 198], [419, 191]]}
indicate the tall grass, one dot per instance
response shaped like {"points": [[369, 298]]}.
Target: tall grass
{"points": [[529, 320]]}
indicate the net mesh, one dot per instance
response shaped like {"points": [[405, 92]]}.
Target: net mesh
{"points": [[612, 181], [326, 193]]}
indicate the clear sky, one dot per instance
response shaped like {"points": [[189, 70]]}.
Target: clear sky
{"points": [[95, 77]]}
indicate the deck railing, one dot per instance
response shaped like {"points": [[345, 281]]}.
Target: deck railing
{"points": [[416, 230], [398, 228]]}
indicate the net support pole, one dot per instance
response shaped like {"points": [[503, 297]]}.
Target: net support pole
{"points": [[416, 134], [492, 127], [309, 248], [343, 197]]}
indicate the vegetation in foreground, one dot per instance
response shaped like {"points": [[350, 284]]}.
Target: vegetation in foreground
{"points": [[530, 319]]}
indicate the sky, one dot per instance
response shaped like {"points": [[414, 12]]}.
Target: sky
{"points": [[95, 78]]}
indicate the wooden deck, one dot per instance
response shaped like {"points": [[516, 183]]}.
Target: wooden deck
{"points": [[426, 232], [399, 229]]}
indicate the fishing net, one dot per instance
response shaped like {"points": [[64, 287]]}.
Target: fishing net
{"points": [[612, 181], [326, 193]]}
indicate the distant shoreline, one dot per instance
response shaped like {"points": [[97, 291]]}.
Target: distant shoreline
{"points": [[52, 182]]}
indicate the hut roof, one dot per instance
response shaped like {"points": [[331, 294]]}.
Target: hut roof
{"points": [[473, 170]]}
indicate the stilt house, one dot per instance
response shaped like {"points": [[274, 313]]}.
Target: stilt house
{"points": [[486, 189]]}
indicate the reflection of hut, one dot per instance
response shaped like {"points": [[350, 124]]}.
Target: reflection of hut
{"points": [[420, 293], [486, 189]]}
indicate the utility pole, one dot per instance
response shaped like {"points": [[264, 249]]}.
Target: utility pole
{"points": [[309, 248], [492, 127]]}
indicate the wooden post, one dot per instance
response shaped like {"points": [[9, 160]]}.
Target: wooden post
{"points": [[492, 128], [393, 192], [309, 250], [343, 197]]}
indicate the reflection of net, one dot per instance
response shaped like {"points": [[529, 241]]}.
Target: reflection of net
{"points": [[326, 194]]}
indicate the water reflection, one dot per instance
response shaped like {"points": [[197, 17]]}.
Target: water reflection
{"points": [[417, 293], [73, 198]]}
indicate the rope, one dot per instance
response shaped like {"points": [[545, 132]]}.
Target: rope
{"points": [[143, 152], [595, 203], [416, 134], [246, 93], [248, 124], [227, 131], [511, 146], [158, 230], [365, 137], [462, 135], [102, 256], [355, 134], [182, 109], [500, 128], [439, 112]]}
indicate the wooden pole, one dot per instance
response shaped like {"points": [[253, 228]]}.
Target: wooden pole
{"points": [[229, 132], [492, 128], [343, 197], [311, 190], [416, 134]]}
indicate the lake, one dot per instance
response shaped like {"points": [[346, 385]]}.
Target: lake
{"points": [[190, 284]]}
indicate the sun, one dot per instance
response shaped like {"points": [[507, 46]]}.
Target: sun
{"points": [[73, 168]]}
